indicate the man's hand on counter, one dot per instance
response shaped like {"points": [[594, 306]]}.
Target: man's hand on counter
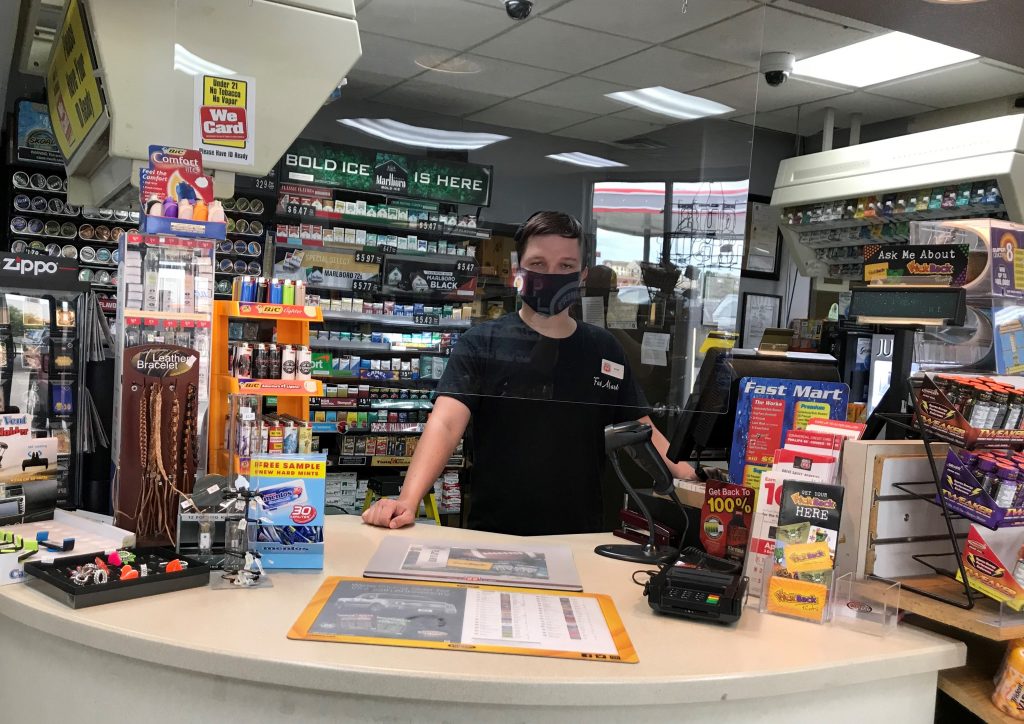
{"points": [[388, 513]]}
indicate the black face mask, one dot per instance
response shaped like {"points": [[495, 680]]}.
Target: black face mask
{"points": [[549, 294]]}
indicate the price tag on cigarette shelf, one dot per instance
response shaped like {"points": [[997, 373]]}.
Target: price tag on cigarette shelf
{"points": [[432, 319], [365, 257], [387, 248], [362, 285]]}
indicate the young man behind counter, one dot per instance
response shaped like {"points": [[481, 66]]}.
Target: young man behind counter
{"points": [[540, 388]]}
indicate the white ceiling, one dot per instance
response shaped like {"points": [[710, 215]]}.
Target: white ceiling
{"points": [[550, 73]]}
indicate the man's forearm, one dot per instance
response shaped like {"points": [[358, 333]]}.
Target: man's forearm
{"points": [[435, 447], [680, 470]]}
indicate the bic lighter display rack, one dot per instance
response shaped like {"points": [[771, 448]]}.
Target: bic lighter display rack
{"points": [[261, 351]]}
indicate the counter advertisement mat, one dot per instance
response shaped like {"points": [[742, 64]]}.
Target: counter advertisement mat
{"points": [[459, 617]]}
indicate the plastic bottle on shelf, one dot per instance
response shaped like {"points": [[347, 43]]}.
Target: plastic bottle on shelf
{"points": [[184, 209], [303, 363], [215, 212], [287, 362], [261, 362], [200, 212], [1006, 491], [987, 467], [243, 361], [274, 366], [1008, 696]]}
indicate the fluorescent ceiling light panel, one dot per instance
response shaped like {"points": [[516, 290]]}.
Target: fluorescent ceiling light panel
{"points": [[668, 102], [877, 60], [407, 135], [584, 159], [188, 62]]}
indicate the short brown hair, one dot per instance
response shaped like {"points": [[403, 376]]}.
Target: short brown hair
{"points": [[544, 223]]}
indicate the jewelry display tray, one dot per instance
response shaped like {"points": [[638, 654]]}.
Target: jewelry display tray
{"points": [[52, 578]]}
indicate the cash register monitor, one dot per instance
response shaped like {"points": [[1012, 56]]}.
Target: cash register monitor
{"points": [[710, 415]]}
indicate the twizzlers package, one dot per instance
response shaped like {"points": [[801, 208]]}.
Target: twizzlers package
{"points": [[768, 409]]}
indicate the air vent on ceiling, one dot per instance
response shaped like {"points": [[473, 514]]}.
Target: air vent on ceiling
{"points": [[641, 143]]}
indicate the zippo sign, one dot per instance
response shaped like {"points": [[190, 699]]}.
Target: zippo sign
{"points": [[30, 267]]}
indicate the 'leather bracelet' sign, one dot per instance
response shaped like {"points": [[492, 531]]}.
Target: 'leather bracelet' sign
{"points": [[153, 361]]}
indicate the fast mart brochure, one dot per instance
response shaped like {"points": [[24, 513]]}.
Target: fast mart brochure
{"points": [[767, 409], [460, 617]]}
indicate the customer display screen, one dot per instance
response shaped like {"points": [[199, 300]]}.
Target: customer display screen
{"points": [[945, 304]]}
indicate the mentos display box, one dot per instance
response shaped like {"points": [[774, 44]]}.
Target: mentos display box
{"points": [[289, 494]]}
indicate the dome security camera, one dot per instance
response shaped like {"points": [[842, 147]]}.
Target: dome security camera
{"points": [[777, 67], [518, 9]]}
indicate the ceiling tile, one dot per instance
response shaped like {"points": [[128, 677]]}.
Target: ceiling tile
{"points": [[423, 96], [953, 86], [666, 67], [530, 116], [752, 92], [499, 77], [608, 129], [739, 39], [799, 7], [557, 46], [455, 24], [639, 114], [652, 20], [579, 94], [394, 58]]}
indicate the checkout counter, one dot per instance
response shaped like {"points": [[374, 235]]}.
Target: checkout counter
{"points": [[223, 655]]}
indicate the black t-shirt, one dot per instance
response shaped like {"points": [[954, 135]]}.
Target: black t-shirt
{"points": [[540, 406]]}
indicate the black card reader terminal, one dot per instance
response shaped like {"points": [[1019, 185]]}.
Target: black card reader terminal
{"points": [[697, 593]]}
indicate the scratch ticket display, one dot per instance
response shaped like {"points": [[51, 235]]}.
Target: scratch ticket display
{"points": [[767, 410], [805, 551]]}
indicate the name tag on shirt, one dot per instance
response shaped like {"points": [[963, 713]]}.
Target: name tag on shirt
{"points": [[612, 369]]}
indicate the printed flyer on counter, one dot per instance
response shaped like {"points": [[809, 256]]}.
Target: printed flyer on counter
{"points": [[454, 616], [549, 566]]}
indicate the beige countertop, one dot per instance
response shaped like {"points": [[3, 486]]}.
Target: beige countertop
{"points": [[243, 634]]}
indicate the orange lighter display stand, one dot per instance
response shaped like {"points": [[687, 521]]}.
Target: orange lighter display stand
{"points": [[292, 323]]}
